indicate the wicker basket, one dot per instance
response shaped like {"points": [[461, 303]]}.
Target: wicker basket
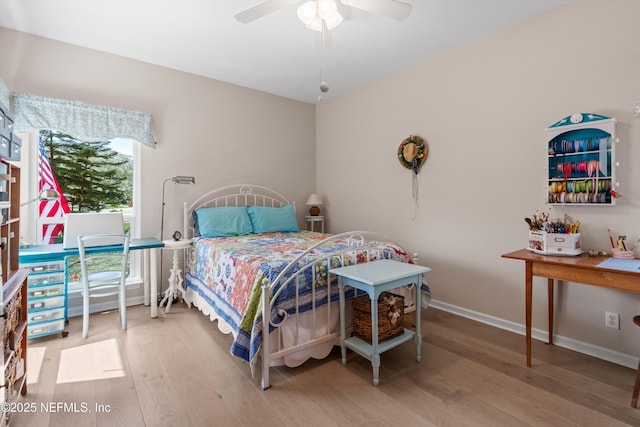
{"points": [[10, 380], [17, 346], [390, 317], [12, 311], [7, 323]]}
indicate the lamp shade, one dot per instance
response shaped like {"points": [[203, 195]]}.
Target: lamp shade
{"points": [[314, 200], [307, 11], [184, 179], [333, 20], [46, 194], [49, 194]]}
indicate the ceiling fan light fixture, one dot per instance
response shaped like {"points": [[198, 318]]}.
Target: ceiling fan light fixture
{"points": [[307, 11], [313, 12], [315, 24], [333, 21], [327, 8]]}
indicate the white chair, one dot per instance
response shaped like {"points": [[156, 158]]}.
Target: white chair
{"points": [[99, 276]]}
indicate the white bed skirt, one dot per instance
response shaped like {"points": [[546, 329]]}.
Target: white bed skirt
{"points": [[305, 334]]}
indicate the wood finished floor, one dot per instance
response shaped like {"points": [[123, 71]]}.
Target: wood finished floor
{"points": [[177, 371]]}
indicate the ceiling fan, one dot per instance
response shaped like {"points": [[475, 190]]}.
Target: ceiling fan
{"points": [[394, 9]]}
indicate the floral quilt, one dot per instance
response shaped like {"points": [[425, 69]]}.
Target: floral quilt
{"points": [[228, 273]]}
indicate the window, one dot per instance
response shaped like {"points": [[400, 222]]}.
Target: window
{"points": [[87, 122], [51, 163], [89, 176]]}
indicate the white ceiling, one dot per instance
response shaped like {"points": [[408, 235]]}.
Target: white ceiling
{"points": [[274, 54]]}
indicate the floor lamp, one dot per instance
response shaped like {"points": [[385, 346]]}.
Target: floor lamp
{"points": [[176, 180]]}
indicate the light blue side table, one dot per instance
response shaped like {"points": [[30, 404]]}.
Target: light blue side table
{"points": [[374, 278]]}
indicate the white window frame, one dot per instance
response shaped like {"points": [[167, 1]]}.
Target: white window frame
{"points": [[29, 189]]}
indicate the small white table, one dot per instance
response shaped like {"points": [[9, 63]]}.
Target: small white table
{"points": [[175, 276], [311, 220], [374, 278]]}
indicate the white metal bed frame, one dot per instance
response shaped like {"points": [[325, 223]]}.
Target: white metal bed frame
{"points": [[252, 195]]}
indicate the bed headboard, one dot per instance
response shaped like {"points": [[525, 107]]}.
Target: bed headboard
{"points": [[234, 195]]}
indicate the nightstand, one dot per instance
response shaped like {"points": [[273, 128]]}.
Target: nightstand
{"points": [[311, 220], [374, 277], [175, 277]]}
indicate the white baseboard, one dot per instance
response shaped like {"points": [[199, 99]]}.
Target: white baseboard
{"points": [[75, 307], [582, 347], [97, 305]]}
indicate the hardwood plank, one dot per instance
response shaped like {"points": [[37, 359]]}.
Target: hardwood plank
{"points": [[44, 356], [584, 396], [177, 370]]}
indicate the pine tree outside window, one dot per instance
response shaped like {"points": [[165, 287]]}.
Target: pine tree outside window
{"points": [[92, 176]]}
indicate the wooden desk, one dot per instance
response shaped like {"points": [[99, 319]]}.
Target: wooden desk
{"points": [[578, 269]]}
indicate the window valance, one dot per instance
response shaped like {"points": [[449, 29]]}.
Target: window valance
{"points": [[80, 120]]}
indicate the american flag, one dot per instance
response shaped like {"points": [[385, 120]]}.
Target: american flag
{"points": [[50, 208]]}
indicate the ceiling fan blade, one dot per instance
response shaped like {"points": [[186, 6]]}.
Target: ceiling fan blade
{"points": [[394, 9], [261, 10]]}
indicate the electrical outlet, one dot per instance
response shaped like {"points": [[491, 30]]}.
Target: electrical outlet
{"points": [[612, 320]]}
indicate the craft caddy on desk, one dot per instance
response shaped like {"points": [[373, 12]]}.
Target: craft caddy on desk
{"points": [[554, 243], [560, 237]]}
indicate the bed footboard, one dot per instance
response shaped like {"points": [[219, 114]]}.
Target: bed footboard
{"points": [[313, 318]]}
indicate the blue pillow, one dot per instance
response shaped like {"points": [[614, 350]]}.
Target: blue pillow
{"points": [[223, 222], [269, 220]]}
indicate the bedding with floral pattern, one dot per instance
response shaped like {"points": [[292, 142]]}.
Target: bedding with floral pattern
{"points": [[228, 273]]}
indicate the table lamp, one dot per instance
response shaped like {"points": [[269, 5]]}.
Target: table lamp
{"points": [[314, 200]]}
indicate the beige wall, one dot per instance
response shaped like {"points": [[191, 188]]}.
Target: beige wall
{"points": [[217, 132], [483, 109]]}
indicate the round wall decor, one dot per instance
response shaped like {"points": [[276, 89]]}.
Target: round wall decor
{"points": [[412, 153]]}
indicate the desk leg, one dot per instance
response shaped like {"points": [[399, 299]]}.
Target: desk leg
{"points": [[145, 276], [550, 308], [527, 293], [153, 277]]}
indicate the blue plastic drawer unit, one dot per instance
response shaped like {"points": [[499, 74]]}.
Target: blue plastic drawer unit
{"points": [[46, 298], [44, 267]]}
